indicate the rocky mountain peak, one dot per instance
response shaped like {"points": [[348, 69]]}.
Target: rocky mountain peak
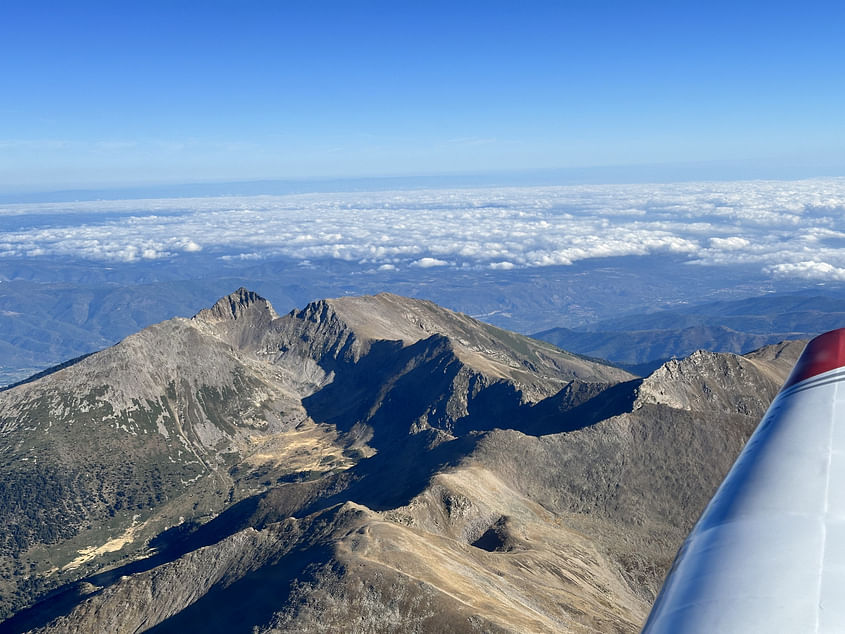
{"points": [[319, 311], [242, 304], [710, 381], [241, 319]]}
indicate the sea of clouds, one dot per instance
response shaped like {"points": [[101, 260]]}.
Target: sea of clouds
{"points": [[790, 229]]}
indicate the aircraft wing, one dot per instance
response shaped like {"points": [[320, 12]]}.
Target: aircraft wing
{"points": [[768, 553]]}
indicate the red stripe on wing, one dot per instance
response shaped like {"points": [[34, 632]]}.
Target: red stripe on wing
{"points": [[825, 352]]}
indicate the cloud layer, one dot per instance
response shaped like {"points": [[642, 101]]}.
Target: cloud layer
{"points": [[787, 229]]}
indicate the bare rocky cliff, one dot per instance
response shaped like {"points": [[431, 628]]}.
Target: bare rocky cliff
{"points": [[363, 464]]}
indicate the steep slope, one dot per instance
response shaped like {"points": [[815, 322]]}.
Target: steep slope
{"points": [[498, 531], [363, 464], [653, 465], [102, 455], [107, 459], [397, 366], [480, 345]]}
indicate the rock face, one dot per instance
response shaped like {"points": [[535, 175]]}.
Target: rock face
{"points": [[364, 464]]}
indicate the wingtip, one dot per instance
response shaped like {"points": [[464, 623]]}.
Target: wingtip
{"points": [[824, 353]]}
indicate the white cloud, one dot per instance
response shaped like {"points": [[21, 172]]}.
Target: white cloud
{"points": [[810, 270], [191, 247], [427, 263], [781, 227], [502, 266], [733, 243]]}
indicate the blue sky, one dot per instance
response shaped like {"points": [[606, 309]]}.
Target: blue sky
{"points": [[117, 93]]}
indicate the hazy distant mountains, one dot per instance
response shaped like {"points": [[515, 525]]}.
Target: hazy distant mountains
{"points": [[363, 464], [642, 342]]}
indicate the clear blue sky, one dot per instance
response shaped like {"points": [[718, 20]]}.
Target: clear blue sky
{"points": [[122, 92]]}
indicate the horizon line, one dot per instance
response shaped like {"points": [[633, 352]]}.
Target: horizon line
{"points": [[656, 173]]}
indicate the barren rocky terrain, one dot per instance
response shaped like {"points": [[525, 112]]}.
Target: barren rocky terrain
{"points": [[363, 464]]}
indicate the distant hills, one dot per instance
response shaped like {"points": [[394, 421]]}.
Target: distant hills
{"points": [[363, 464], [642, 342]]}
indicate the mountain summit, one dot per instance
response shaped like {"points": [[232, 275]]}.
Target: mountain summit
{"points": [[368, 462], [242, 304]]}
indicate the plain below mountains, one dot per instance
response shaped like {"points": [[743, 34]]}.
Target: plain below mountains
{"points": [[363, 464]]}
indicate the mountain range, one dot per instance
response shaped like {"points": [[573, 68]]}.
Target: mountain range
{"points": [[642, 342], [368, 463]]}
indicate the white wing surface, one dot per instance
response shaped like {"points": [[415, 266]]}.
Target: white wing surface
{"points": [[768, 553]]}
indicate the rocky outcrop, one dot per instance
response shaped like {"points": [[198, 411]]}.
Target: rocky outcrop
{"points": [[707, 381]]}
